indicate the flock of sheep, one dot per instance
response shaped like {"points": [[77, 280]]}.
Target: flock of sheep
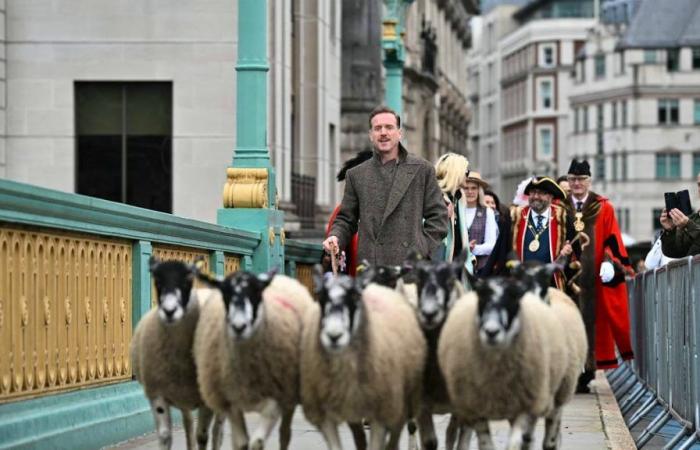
{"points": [[389, 348]]}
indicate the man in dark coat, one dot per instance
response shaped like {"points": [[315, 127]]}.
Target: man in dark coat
{"points": [[392, 200], [604, 263]]}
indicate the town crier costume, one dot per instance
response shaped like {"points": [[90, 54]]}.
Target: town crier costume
{"points": [[604, 264], [540, 235]]}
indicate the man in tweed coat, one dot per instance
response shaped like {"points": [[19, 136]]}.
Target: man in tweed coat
{"points": [[393, 199]]}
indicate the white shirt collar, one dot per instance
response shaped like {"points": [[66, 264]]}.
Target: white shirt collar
{"points": [[574, 200], [544, 213]]}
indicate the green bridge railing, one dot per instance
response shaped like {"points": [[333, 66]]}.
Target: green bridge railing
{"points": [[74, 281]]}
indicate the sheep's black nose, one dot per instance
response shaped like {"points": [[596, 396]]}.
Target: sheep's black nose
{"points": [[334, 337], [491, 333], [430, 315], [169, 312], [238, 329]]}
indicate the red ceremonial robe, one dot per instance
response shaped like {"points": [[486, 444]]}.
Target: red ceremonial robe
{"points": [[556, 232], [604, 306]]}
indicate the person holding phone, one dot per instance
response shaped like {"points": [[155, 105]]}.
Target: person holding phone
{"points": [[681, 235]]}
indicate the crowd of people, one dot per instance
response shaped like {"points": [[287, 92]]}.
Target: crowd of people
{"points": [[395, 203]]}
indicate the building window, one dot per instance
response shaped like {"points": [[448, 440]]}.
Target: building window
{"points": [[613, 175], [696, 112], [585, 119], [696, 58], [627, 220], [547, 56], [546, 94], [623, 107], [623, 163], [614, 114], [672, 59], [600, 116], [696, 163], [124, 142], [650, 56], [621, 62], [668, 166], [668, 112], [576, 125], [600, 65], [545, 144], [600, 167]]}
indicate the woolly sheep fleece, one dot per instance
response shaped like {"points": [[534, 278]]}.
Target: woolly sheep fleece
{"points": [[244, 373], [496, 384], [378, 377], [162, 357]]}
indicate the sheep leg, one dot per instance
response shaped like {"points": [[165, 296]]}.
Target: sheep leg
{"points": [[552, 430], [451, 432], [217, 432], [270, 415], [164, 425], [515, 440], [377, 436], [329, 430], [394, 436], [428, 439], [358, 435], [465, 435], [187, 424], [412, 440], [527, 433], [239, 437], [286, 429], [203, 421], [483, 433]]}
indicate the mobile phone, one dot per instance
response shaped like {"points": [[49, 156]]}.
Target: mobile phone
{"points": [[671, 199], [684, 202]]}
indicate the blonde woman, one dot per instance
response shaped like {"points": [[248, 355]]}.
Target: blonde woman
{"points": [[451, 170], [479, 219]]}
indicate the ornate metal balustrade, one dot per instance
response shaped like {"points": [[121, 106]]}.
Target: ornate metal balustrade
{"points": [[74, 281]]}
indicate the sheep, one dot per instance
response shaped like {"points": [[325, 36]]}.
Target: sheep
{"points": [[439, 286], [506, 354], [161, 353], [247, 351], [362, 357]]}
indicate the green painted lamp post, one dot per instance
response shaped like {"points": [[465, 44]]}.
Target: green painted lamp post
{"points": [[250, 193], [393, 30]]}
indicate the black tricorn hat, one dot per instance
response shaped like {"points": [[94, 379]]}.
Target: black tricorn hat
{"points": [[361, 157], [547, 185], [579, 168]]}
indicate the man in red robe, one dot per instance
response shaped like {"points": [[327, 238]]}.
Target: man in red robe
{"points": [[604, 264]]}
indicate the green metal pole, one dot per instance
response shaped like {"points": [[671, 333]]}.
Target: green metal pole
{"points": [[393, 30], [250, 195]]}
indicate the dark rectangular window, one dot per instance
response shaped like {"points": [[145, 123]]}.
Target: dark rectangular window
{"points": [[614, 114], [668, 112], [623, 163], [696, 163], [624, 113], [585, 119], [600, 167], [672, 59], [696, 58], [124, 142], [613, 171]]}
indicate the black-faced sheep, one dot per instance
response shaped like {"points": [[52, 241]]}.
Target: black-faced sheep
{"points": [[505, 354], [247, 349], [363, 356], [161, 353]]}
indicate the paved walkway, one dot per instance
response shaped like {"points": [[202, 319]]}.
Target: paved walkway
{"points": [[591, 422]]}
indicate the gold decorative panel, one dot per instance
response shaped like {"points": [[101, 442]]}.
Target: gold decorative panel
{"points": [[245, 188], [305, 276], [65, 311], [231, 264], [186, 254]]}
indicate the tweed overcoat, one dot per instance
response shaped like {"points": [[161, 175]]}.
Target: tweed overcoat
{"points": [[414, 217]]}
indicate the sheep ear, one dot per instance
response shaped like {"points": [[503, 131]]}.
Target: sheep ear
{"points": [[209, 280], [153, 263], [265, 278], [542, 276], [366, 276]]}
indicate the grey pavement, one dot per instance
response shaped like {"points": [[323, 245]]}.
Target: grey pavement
{"points": [[590, 422]]}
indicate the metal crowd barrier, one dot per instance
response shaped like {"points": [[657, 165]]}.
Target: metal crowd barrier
{"points": [[659, 391]]}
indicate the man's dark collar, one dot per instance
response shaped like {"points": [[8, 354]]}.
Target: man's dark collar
{"points": [[403, 154]]}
